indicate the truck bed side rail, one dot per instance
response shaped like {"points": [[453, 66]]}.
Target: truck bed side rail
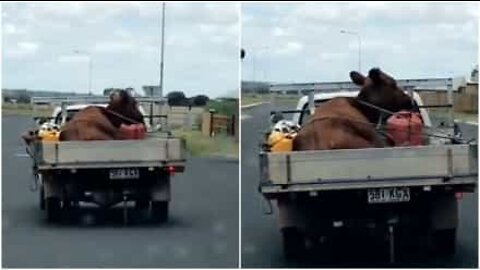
{"points": [[94, 154], [369, 168]]}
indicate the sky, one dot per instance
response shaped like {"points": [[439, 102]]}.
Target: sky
{"points": [[123, 40], [302, 42]]}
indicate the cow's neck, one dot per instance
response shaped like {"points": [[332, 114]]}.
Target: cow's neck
{"points": [[114, 119], [370, 113]]}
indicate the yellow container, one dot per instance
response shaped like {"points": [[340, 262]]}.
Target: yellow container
{"points": [[49, 136], [280, 142]]}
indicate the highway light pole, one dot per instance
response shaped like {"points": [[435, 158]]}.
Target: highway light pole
{"points": [[359, 46], [162, 50]]}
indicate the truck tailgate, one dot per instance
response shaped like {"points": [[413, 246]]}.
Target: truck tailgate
{"points": [[152, 151], [369, 168]]}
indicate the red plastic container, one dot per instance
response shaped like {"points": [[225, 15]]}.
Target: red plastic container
{"points": [[133, 132], [405, 128]]}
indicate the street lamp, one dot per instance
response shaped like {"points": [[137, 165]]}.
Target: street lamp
{"points": [[162, 52], [89, 68], [359, 46]]}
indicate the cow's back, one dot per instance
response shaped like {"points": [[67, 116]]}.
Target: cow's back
{"points": [[89, 124], [337, 124]]}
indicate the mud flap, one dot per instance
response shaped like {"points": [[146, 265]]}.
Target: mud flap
{"points": [[445, 212], [161, 190]]}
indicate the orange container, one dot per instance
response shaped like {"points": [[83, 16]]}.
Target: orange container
{"points": [[133, 132], [405, 128]]}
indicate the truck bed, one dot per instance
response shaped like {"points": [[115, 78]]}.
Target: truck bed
{"points": [[151, 151], [369, 168]]}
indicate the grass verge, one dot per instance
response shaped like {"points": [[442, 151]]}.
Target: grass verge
{"points": [[24, 109], [459, 116], [200, 145]]}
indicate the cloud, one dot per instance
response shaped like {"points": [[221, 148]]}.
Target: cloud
{"points": [[200, 53], [9, 29], [73, 58], [413, 39], [22, 49], [289, 48], [278, 31], [114, 47]]}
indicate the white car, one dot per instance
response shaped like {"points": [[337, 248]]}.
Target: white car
{"points": [[301, 117], [56, 118]]}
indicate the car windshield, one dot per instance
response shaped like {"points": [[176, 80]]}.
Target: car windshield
{"points": [[305, 115], [70, 114]]}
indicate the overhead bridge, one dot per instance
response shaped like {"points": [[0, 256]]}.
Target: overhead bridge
{"points": [[436, 84]]}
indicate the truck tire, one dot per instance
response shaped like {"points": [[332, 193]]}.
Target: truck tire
{"points": [[159, 211], [53, 209], [42, 197], [444, 242], [293, 243], [142, 204]]}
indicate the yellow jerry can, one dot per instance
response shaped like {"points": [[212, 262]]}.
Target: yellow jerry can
{"points": [[49, 136], [280, 142]]}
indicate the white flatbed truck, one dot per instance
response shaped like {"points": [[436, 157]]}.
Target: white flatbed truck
{"points": [[397, 191], [107, 172]]}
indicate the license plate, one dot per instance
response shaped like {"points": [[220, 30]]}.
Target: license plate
{"points": [[388, 195], [124, 174]]}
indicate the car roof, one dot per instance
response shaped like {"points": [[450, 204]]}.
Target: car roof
{"points": [[78, 107], [329, 95], [74, 107]]}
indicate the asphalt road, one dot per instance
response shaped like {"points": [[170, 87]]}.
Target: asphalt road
{"points": [[261, 239], [202, 231]]}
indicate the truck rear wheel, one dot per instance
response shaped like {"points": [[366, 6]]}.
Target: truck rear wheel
{"points": [[159, 211], [53, 209], [444, 242], [142, 204], [293, 243]]}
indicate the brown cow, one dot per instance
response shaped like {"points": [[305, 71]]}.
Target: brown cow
{"points": [[348, 123], [98, 123]]}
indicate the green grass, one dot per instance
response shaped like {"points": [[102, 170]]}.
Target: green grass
{"points": [[289, 100], [200, 145], [461, 116], [24, 109], [252, 99], [226, 107]]}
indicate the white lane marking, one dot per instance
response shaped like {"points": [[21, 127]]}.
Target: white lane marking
{"points": [[245, 117], [472, 123], [252, 105], [467, 122], [21, 155]]}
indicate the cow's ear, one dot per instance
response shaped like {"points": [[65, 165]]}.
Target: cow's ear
{"points": [[376, 75], [357, 78]]}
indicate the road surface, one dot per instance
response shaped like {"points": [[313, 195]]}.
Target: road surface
{"points": [[202, 231], [261, 239]]}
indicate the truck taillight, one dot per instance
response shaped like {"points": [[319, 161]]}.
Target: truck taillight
{"points": [[171, 170], [459, 195]]}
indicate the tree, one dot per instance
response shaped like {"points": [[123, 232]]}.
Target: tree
{"points": [[177, 98], [200, 100], [23, 97]]}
